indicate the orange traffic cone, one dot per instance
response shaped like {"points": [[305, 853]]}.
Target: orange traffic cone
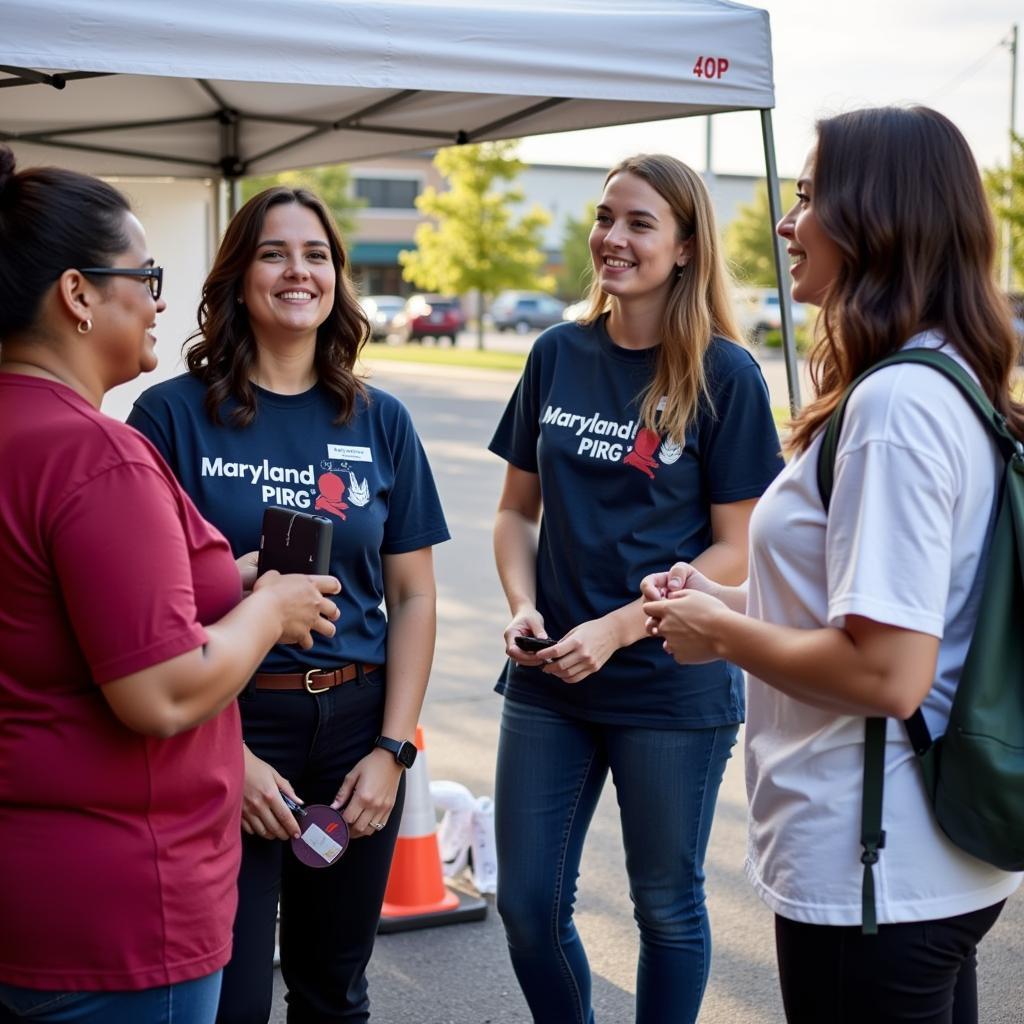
{"points": [[416, 896]]}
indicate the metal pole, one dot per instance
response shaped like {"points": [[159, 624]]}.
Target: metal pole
{"points": [[1007, 226], [709, 164], [781, 264], [234, 196]]}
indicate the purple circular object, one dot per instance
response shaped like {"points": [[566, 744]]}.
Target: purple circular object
{"points": [[324, 836]]}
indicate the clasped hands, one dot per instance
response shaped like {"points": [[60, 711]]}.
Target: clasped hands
{"points": [[366, 796], [683, 608]]}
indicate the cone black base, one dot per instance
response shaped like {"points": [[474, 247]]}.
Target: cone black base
{"points": [[470, 908]]}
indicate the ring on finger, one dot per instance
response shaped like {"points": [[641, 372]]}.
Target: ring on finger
{"points": [[378, 825]]}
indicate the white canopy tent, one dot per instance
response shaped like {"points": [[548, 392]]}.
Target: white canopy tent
{"points": [[197, 89]]}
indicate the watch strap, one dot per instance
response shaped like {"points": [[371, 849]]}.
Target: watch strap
{"points": [[403, 751]]}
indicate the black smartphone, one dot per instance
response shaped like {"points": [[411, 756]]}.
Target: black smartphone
{"points": [[533, 644], [293, 541]]}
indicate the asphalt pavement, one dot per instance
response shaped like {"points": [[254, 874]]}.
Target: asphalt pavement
{"points": [[460, 974]]}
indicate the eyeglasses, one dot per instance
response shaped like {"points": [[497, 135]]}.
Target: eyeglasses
{"points": [[154, 276]]}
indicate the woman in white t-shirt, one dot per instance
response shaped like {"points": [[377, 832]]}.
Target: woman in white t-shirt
{"points": [[868, 612]]}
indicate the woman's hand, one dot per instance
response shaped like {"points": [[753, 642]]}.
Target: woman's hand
{"points": [[682, 576], [582, 651], [302, 604], [528, 622], [247, 565], [687, 621], [264, 813], [368, 792]]}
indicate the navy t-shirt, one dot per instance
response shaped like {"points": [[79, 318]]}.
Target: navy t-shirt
{"points": [[620, 502], [370, 477]]}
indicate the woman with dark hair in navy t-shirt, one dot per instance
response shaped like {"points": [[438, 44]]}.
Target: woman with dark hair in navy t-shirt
{"points": [[272, 414], [638, 431]]}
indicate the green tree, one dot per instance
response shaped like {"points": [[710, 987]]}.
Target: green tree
{"points": [[750, 237], [332, 184], [1005, 187], [476, 243], [577, 265]]}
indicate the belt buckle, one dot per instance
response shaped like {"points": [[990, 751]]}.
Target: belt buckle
{"points": [[314, 689]]}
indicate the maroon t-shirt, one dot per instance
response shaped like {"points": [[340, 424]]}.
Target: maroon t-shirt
{"points": [[118, 852]]}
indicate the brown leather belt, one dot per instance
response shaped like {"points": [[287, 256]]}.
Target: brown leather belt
{"points": [[315, 680]]}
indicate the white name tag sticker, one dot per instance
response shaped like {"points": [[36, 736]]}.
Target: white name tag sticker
{"points": [[349, 453], [317, 839]]}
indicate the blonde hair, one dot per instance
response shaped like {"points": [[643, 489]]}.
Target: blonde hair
{"points": [[698, 305]]}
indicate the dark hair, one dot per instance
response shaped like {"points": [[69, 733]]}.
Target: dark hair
{"points": [[51, 220], [898, 191], [223, 352]]}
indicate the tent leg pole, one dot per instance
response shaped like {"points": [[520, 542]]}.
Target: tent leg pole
{"points": [[781, 264], [234, 196], [229, 199], [220, 211]]}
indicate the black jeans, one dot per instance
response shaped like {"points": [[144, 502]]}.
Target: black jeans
{"points": [[922, 971], [329, 915]]}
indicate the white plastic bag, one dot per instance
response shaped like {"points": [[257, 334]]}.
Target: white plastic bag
{"points": [[465, 835], [455, 833]]}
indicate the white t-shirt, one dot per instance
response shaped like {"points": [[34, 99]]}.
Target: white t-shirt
{"points": [[909, 521]]}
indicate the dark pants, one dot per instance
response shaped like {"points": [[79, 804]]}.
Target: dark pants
{"points": [[923, 971], [329, 915]]}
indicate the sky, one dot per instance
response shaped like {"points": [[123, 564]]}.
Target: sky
{"points": [[836, 55]]}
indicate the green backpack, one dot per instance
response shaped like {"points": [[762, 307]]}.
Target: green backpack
{"points": [[974, 774]]}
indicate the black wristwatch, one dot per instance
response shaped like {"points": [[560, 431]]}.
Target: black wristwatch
{"points": [[403, 751]]}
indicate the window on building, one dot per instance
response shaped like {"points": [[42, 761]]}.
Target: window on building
{"points": [[388, 193]]}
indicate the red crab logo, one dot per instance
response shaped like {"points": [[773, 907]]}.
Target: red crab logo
{"points": [[332, 491]]}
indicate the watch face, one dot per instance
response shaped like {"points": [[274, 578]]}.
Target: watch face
{"points": [[406, 754]]}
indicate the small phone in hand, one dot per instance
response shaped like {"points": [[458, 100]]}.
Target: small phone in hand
{"points": [[293, 541], [533, 644]]}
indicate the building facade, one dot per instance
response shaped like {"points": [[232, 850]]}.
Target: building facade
{"points": [[387, 224]]}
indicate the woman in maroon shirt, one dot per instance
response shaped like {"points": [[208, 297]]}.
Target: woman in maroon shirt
{"points": [[123, 641]]}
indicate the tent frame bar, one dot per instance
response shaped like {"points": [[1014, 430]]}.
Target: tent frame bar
{"points": [[230, 167], [25, 76], [781, 264], [125, 126], [504, 122], [82, 147]]}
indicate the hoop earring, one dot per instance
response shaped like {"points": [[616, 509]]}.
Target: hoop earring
{"points": [[84, 326]]}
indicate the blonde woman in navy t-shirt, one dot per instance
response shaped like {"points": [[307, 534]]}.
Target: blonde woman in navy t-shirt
{"points": [[636, 434], [271, 413]]}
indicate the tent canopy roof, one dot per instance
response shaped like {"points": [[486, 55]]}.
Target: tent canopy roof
{"points": [[202, 89]]}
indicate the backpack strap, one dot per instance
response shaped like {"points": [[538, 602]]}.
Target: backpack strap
{"points": [[949, 368], [872, 835]]}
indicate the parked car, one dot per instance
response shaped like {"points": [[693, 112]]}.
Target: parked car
{"points": [[431, 316], [381, 311], [759, 311], [525, 311]]}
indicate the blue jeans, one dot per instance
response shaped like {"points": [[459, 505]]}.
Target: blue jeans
{"points": [[550, 773], [188, 1002]]}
